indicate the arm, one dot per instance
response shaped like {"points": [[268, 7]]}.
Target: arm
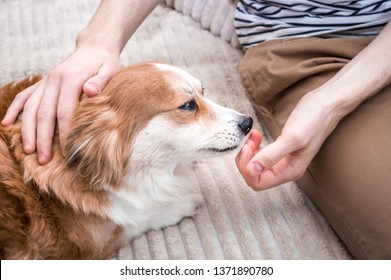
{"points": [[114, 23], [89, 68], [315, 117]]}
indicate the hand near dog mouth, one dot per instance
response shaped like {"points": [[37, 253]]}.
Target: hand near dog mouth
{"points": [[250, 164], [266, 167]]}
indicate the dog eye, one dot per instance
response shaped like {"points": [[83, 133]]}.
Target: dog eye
{"points": [[189, 106]]}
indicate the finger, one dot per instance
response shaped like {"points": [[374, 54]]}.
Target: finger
{"points": [[67, 105], [270, 155], [29, 119], [249, 149], [46, 119], [242, 161], [97, 83], [288, 169], [243, 158], [254, 139], [17, 105]]}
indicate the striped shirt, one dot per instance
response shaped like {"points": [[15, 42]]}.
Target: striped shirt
{"points": [[262, 20]]}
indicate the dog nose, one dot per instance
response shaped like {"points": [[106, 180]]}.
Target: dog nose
{"points": [[246, 125]]}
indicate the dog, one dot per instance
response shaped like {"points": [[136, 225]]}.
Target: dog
{"points": [[127, 169]]}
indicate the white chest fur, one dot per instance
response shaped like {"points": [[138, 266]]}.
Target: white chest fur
{"points": [[155, 198]]}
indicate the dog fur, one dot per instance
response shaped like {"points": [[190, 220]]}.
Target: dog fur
{"points": [[127, 169]]}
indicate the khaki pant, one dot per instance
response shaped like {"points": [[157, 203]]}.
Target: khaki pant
{"points": [[349, 180]]}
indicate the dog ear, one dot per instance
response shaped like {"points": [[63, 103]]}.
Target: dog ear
{"points": [[95, 147]]}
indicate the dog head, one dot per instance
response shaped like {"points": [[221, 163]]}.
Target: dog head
{"points": [[149, 114]]}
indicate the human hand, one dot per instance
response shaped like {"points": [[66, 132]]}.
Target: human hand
{"points": [[56, 97], [288, 157]]}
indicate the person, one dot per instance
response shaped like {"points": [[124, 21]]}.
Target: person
{"points": [[319, 112], [301, 118], [319, 73]]}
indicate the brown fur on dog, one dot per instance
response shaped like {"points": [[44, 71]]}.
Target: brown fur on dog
{"points": [[35, 224]]}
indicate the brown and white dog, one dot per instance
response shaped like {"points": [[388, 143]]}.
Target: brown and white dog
{"points": [[127, 169]]}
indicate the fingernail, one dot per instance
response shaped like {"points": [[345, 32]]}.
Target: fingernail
{"points": [[41, 158], [94, 87], [27, 148], [255, 168]]}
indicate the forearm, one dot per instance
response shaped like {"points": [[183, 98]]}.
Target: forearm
{"points": [[114, 23], [365, 75]]}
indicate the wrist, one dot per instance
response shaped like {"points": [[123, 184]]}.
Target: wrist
{"points": [[111, 43], [341, 96], [331, 103]]}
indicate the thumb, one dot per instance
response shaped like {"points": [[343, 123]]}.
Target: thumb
{"points": [[97, 83], [267, 157]]}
